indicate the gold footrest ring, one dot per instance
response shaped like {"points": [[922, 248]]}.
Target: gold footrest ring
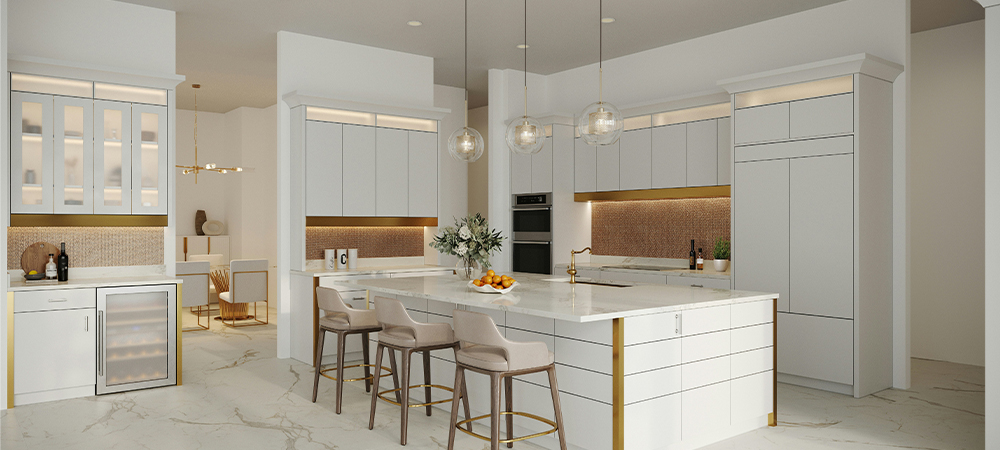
{"points": [[511, 413], [386, 372], [382, 395]]}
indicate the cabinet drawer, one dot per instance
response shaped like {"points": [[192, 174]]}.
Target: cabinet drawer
{"points": [[652, 384], [752, 337], [651, 278], [705, 320], [704, 373], [752, 313], [654, 423], [587, 384], [816, 347], [710, 283], [796, 149], [822, 116], [599, 332], [705, 346], [652, 327], [585, 355], [706, 411], [441, 308], [761, 124], [413, 303], [653, 355], [753, 396], [754, 361], [498, 316], [531, 323], [55, 299]]}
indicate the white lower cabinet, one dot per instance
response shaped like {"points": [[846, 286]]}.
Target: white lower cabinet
{"points": [[821, 348], [654, 423], [706, 410], [752, 396]]}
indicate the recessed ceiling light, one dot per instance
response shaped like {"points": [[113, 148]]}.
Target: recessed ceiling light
{"points": [[607, 20], [522, 46], [414, 23]]}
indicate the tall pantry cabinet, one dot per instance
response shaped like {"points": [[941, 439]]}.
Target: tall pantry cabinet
{"points": [[812, 216]]}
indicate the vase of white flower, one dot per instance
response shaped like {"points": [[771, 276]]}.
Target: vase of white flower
{"points": [[472, 241]]}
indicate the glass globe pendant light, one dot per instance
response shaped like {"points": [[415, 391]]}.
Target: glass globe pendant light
{"points": [[525, 135], [466, 144], [600, 123]]}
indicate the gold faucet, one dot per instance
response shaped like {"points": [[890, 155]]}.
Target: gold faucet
{"points": [[572, 263]]}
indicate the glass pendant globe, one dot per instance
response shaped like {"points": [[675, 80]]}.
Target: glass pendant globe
{"points": [[525, 135], [466, 144], [601, 123]]}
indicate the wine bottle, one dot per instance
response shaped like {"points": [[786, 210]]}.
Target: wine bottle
{"points": [[63, 266], [701, 260], [691, 257]]}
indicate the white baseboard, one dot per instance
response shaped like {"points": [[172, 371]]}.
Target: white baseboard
{"points": [[813, 383], [89, 390]]}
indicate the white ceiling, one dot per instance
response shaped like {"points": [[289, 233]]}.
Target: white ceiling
{"points": [[230, 46]]}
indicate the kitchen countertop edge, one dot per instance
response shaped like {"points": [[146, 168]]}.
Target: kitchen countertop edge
{"points": [[90, 283]]}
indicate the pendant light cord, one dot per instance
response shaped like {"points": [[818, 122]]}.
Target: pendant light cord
{"points": [[525, 58], [466, 83]]}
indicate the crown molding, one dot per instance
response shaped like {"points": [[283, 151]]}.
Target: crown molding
{"points": [[91, 72], [300, 98], [862, 63]]}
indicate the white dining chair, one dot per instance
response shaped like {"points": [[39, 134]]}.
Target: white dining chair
{"points": [[195, 290], [248, 283], [216, 261]]}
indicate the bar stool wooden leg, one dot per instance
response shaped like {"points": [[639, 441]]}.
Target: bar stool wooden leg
{"points": [[509, 393], [495, 379], [404, 403], [319, 361], [556, 406], [378, 374], [364, 351], [341, 337], [465, 399], [427, 381], [392, 365], [459, 393]]}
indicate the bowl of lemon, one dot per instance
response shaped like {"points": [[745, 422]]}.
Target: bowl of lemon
{"points": [[491, 283], [34, 276]]}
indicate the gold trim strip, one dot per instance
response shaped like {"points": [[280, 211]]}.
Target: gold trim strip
{"points": [[180, 335], [772, 419], [618, 383], [371, 221], [654, 194], [85, 220], [10, 350]]}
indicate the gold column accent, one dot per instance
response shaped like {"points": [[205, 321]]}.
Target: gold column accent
{"points": [[772, 419], [315, 318], [618, 389], [10, 350], [180, 333], [86, 220]]}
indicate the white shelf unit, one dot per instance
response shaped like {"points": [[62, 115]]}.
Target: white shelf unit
{"points": [[812, 216]]}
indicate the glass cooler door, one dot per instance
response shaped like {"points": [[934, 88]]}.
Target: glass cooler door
{"points": [[137, 335]]}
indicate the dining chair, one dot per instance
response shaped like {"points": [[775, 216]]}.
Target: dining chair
{"points": [[195, 290], [248, 283]]}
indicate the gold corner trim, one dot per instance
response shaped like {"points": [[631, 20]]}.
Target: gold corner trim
{"points": [[772, 421], [10, 350], [618, 383], [85, 220], [315, 221], [315, 317], [654, 194], [180, 334], [772, 418]]}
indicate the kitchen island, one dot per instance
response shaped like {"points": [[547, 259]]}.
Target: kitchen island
{"points": [[642, 366]]}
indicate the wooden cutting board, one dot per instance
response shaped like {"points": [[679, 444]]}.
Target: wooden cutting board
{"points": [[36, 256]]}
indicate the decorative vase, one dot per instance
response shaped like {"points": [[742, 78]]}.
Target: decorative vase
{"points": [[199, 219], [468, 269], [721, 265]]}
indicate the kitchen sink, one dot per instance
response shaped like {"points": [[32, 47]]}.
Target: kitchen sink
{"points": [[590, 281]]}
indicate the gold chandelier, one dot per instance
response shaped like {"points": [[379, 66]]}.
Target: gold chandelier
{"points": [[208, 167]]}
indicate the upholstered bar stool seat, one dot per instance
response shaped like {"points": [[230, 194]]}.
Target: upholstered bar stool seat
{"points": [[401, 332], [341, 319], [484, 350]]}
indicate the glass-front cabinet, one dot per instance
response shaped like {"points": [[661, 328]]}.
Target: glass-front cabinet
{"points": [[149, 159], [112, 157], [31, 153], [73, 149]]}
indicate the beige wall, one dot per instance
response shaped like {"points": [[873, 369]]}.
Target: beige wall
{"points": [[947, 196], [479, 171]]}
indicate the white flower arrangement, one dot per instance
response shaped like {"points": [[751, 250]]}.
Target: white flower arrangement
{"points": [[471, 239]]}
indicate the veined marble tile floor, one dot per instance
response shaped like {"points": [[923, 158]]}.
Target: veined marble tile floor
{"points": [[237, 395]]}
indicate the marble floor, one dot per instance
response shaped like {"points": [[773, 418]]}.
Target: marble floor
{"points": [[237, 395]]}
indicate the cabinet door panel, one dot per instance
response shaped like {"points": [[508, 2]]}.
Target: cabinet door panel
{"points": [[760, 231], [520, 173], [31, 153], [423, 177], [706, 410], [541, 168], [585, 166], [55, 350], [753, 396], [636, 154], [669, 158], [607, 167], [73, 155], [324, 169], [391, 173], [762, 123], [703, 153], [821, 225], [654, 423], [149, 159], [822, 116], [816, 347], [359, 170], [725, 145], [112, 157]]}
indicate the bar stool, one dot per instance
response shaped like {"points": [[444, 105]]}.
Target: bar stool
{"points": [[484, 350], [342, 320], [400, 332]]}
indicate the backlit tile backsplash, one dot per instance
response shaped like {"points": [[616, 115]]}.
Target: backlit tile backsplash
{"points": [[92, 246], [371, 242], [658, 228]]}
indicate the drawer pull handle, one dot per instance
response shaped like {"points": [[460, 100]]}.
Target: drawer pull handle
{"points": [[677, 324], [698, 285], [86, 323], [57, 300]]}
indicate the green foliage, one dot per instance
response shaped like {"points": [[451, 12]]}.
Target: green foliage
{"points": [[721, 248], [470, 239]]}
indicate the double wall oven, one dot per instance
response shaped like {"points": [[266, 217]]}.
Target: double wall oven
{"points": [[532, 237]]}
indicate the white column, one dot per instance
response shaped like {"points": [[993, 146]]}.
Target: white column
{"points": [[4, 199], [499, 181], [992, 263]]}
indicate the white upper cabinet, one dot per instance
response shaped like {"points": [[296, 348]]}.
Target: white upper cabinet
{"points": [[391, 172], [607, 167], [149, 159], [725, 148], [74, 155], [324, 169], [112, 157], [703, 153], [423, 177], [359, 170], [520, 173], [636, 148], [584, 166], [822, 116], [669, 158], [31, 153], [541, 168], [762, 123]]}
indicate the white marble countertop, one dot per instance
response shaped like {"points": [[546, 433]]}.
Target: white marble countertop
{"points": [[84, 283], [370, 270], [553, 297], [677, 272]]}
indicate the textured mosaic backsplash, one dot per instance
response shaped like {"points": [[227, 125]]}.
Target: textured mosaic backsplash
{"points": [[658, 228], [371, 242], [92, 246]]}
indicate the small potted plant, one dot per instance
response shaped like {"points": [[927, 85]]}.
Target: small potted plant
{"points": [[472, 241], [721, 254]]}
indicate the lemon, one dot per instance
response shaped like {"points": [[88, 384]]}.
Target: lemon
{"points": [[33, 272]]}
